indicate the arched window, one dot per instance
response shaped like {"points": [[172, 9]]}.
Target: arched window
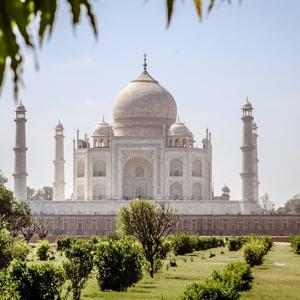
{"points": [[197, 168], [139, 172], [80, 169], [80, 191], [197, 191], [184, 143], [176, 192], [99, 192], [99, 168], [177, 143], [176, 168]]}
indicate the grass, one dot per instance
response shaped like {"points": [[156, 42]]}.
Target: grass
{"points": [[168, 284], [278, 277]]}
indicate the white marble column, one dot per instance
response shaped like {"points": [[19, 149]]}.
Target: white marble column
{"points": [[248, 169], [20, 173], [59, 165], [255, 161]]}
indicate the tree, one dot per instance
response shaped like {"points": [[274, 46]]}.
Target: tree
{"points": [[268, 205], [19, 17], [78, 265], [292, 206], [43, 227], [3, 179], [14, 214], [29, 231], [30, 193], [150, 224], [45, 193]]}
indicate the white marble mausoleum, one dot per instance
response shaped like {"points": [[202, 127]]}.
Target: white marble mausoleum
{"points": [[148, 152]]}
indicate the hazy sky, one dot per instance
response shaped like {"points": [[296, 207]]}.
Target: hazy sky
{"points": [[252, 49]]}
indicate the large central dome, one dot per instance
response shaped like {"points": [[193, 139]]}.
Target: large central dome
{"points": [[143, 107]]}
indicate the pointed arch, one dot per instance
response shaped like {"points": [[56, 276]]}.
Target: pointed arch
{"points": [[80, 191], [99, 168], [99, 192], [197, 168], [197, 191], [80, 168], [176, 191], [176, 168]]}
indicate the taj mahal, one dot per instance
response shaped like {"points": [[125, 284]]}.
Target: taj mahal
{"points": [[148, 152]]}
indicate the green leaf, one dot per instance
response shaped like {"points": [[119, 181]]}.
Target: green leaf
{"points": [[170, 7], [198, 6]]}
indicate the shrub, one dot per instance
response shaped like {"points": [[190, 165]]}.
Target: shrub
{"points": [[295, 243], [236, 274], [204, 243], [36, 281], [254, 252], [182, 243], [210, 290], [43, 249], [20, 250], [236, 243], [119, 264], [78, 265], [64, 243], [7, 288], [6, 246]]}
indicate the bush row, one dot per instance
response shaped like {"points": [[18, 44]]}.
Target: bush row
{"points": [[222, 285], [255, 249], [235, 243], [295, 243], [183, 243]]}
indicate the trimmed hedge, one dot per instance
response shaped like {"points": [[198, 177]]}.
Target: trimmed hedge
{"points": [[237, 274], [236, 243], [183, 243], [295, 243], [255, 250], [204, 243], [222, 285], [43, 248]]}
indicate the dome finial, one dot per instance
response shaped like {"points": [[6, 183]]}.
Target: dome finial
{"points": [[145, 62]]}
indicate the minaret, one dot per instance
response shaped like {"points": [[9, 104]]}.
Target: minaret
{"points": [[20, 174], [59, 164], [248, 152], [256, 182]]}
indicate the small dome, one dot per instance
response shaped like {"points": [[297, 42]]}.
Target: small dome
{"points": [[20, 107], [179, 129], [247, 105], [225, 189], [102, 129], [59, 126]]}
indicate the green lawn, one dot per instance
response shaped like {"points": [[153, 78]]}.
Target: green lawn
{"points": [[168, 284], [277, 278]]}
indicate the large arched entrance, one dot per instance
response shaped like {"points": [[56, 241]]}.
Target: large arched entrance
{"points": [[137, 179]]}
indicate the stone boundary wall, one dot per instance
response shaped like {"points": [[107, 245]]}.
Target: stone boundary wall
{"points": [[222, 225]]}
